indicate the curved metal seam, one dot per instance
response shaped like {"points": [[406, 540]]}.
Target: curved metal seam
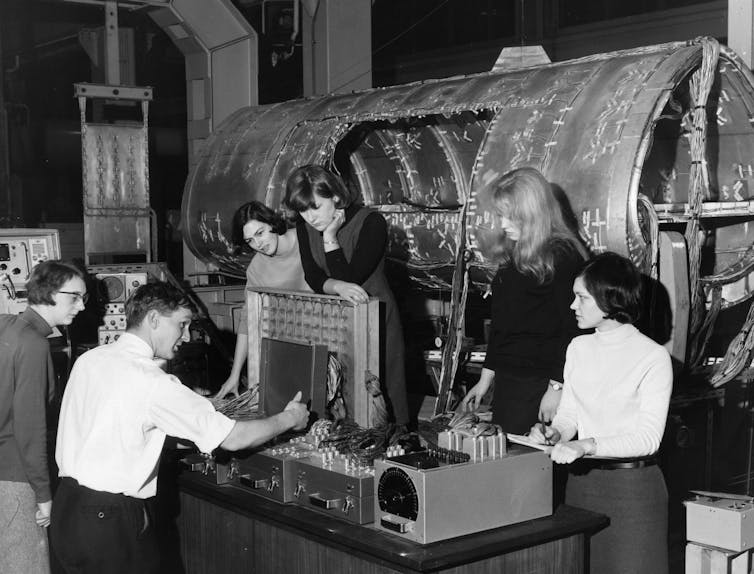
{"points": [[453, 161]]}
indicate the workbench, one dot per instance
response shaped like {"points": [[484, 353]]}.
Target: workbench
{"points": [[224, 528]]}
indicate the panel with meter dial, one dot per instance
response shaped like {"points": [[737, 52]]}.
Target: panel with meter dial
{"points": [[20, 251], [113, 291], [438, 494]]}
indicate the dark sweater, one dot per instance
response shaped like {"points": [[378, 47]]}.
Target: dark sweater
{"points": [[360, 260], [533, 324], [361, 263], [26, 381]]}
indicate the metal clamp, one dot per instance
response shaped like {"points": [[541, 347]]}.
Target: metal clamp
{"points": [[274, 483], [348, 505]]}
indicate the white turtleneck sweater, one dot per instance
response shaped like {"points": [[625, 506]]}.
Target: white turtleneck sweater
{"points": [[616, 390]]}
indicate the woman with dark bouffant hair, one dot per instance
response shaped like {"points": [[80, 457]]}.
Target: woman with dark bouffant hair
{"points": [[531, 326], [343, 248], [611, 420], [275, 264]]}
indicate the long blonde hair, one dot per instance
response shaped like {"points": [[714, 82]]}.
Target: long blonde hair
{"points": [[528, 200]]}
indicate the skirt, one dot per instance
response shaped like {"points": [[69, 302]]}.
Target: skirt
{"points": [[636, 500], [23, 544]]}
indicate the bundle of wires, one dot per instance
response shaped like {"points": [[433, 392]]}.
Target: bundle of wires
{"points": [[466, 423], [362, 445], [377, 408], [320, 426], [336, 404], [244, 406]]}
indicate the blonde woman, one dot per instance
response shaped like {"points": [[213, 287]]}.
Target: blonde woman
{"points": [[532, 324]]}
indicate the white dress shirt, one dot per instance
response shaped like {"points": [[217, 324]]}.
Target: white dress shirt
{"points": [[616, 390], [117, 409]]}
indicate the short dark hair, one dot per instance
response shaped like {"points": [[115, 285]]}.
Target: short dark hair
{"points": [[159, 296], [309, 180], [47, 278], [616, 285], [256, 211]]}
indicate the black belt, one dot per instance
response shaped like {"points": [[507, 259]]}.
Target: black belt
{"points": [[586, 464]]}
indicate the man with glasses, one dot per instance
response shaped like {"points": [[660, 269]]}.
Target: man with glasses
{"points": [[117, 410], [56, 293]]}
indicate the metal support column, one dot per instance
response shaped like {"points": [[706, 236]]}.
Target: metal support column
{"points": [[5, 194], [337, 45], [741, 29], [112, 44]]}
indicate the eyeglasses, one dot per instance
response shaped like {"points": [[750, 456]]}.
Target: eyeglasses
{"points": [[84, 297]]}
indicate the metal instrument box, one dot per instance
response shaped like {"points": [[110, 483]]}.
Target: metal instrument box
{"points": [[117, 287], [20, 251], [207, 466], [270, 473], [106, 336], [722, 522], [114, 323], [345, 492], [426, 500]]}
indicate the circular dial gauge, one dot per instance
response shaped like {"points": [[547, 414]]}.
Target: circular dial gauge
{"points": [[396, 494], [114, 288]]}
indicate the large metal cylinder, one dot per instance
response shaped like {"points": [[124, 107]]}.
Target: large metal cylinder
{"points": [[603, 129]]}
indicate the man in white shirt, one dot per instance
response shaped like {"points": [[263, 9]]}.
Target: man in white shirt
{"points": [[117, 409]]}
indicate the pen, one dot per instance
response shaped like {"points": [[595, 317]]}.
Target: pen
{"points": [[543, 429]]}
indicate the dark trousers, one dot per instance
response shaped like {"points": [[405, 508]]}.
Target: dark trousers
{"points": [[515, 400], [102, 533]]}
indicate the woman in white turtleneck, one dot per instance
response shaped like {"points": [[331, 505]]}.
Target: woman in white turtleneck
{"points": [[611, 419]]}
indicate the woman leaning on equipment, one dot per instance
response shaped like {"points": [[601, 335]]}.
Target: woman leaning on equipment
{"points": [[540, 257], [611, 420], [275, 264], [343, 246]]}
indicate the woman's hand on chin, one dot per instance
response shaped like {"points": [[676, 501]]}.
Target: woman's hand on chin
{"points": [[330, 232]]}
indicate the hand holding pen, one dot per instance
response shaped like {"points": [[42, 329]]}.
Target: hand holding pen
{"points": [[544, 434]]}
